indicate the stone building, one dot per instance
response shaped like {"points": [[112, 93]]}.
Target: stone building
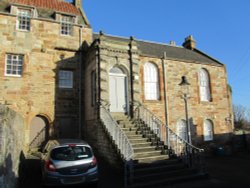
{"points": [[129, 72], [55, 72], [40, 64]]}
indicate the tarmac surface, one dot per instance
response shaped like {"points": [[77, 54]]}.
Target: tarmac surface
{"points": [[224, 171], [231, 171]]}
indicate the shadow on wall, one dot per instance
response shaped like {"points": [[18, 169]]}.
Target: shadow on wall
{"points": [[225, 144], [8, 178], [69, 93]]}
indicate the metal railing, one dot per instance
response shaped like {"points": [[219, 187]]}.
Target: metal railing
{"points": [[118, 135], [176, 145], [39, 139], [120, 140]]}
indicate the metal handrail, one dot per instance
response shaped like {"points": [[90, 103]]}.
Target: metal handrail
{"points": [[118, 135], [121, 141], [177, 146], [39, 139]]}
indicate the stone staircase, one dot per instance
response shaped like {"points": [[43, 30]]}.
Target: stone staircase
{"points": [[154, 166]]}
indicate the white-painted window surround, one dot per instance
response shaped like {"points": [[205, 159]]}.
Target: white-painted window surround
{"points": [[151, 83], [205, 94], [24, 19], [14, 65], [67, 25], [208, 130]]}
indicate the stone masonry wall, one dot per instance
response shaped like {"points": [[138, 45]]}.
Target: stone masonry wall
{"points": [[217, 110], [11, 146], [45, 52]]}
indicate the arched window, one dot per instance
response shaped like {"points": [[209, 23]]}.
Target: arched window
{"points": [[151, 84], [205, 94], [208, 130], [182, 129]]}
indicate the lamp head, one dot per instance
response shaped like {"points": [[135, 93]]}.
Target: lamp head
{"points": [[184, 81]]}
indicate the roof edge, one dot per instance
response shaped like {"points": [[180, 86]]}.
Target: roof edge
{"points": [[206, 55]]}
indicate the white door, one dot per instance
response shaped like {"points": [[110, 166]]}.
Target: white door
{"points": [[117, 93]]}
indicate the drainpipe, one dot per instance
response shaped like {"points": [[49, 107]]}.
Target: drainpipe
{"points": [[98, 76], [80, 84], [165, 97], [131, 105]]}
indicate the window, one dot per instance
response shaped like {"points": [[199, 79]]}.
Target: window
{"points": [[151, 85], [23, 19], [208, 130], [65, 79], [14, 65], [66, 25], [71, 153], [205, 94]]}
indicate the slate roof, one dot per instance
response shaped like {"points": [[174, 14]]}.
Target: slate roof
{"points": [[153, 49], [56, 5]]}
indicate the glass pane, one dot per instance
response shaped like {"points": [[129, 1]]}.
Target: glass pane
{"points": [[69, 153]]}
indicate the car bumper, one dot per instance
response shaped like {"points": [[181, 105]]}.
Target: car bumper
{"points": [[53, 179]]}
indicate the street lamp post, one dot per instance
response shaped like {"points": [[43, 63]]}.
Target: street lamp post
{"points": [[185, 86]]}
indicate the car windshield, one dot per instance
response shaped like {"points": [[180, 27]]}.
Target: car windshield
{"points": [[71, 153]]}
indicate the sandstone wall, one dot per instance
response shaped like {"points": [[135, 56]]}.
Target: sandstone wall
{"points": [[45, 52], [218, 109], [11, 146]]}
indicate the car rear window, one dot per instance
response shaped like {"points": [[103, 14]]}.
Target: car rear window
{"points": [[71, 153]]}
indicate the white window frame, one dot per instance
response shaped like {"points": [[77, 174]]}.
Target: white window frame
{"points": [[66, 25], [65, 79], [205, 93], [14, 65], [151, 81], [24, 19], [208, 132]]}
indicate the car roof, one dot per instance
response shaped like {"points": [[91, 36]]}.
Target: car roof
{"points": [[58, 142]]}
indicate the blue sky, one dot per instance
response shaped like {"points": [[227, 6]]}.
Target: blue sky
{"points": [[221, 29]]}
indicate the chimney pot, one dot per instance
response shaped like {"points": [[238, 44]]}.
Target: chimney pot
{"points": [[172, 43], [77, 3], [189, 43]]}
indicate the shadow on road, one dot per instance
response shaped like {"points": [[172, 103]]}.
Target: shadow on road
{"points": [[30, 173]]}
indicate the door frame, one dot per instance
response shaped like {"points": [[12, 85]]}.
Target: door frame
{"points": [[125, 86]]}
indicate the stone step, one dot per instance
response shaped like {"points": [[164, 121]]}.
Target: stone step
{"points": [[142, 171], [168, 181], [133, 136], [168, 162], [164, 174], [139, 145], [144, 149], [154, 153], [138, 140], [151, 159], [129, 129], [128, 126]]}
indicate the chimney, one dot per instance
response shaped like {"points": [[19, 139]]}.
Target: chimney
{"points": [[189, 43], [77, 3], [172, 43]]}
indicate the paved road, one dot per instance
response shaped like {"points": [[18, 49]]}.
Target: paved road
{"points": [[225, 172], [30, 175]]}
